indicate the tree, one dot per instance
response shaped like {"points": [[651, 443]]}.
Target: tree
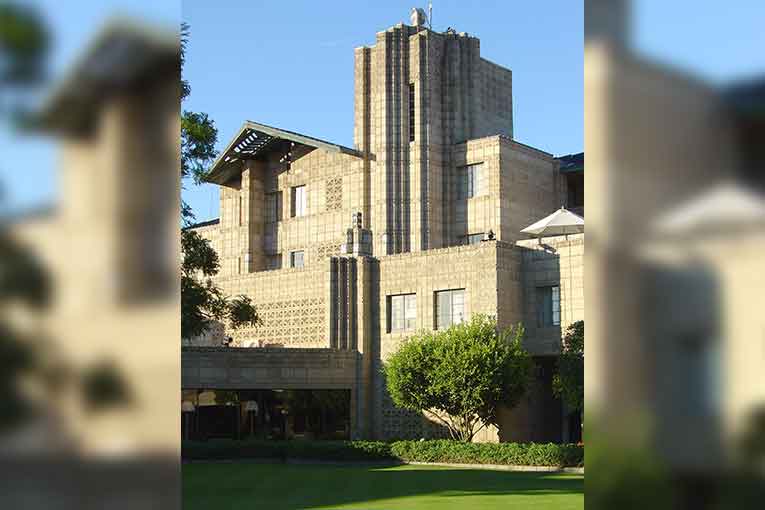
{"points": [[460, 376], [202, 301], [24, 46], [568, 382]]}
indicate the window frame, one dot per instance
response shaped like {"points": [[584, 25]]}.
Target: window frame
{"points": [[548, 306], [405, 300], [273, 203], [295, 211], [451, 293], [469, 181], [293, 259], [466, 238], [412, 113]]}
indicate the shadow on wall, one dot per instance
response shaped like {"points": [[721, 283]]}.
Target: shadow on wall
{"points": [[680, 308], [539, 417]]}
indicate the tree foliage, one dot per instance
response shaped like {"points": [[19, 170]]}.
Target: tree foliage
{"points": [[568, 383], [202, 301], [460, 376], [24, 44]]}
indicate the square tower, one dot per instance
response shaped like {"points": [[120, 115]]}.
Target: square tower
{"points": [[417, 94]]}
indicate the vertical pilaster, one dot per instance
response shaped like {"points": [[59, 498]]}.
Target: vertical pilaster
{"points": [[363, 120], [251, 218], [352, 343], [342, 303], [332, 319]]}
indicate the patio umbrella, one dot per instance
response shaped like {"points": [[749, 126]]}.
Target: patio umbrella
{"points": [[561, 222], [724, 208]]}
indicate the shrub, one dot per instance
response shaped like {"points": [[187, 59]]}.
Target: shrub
{"points": [[568, 382], [439, 450], [460, 376], [519, 454]]}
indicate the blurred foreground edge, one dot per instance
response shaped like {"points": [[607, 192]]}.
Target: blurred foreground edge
{"points": [[100, 377], [675, 369]]}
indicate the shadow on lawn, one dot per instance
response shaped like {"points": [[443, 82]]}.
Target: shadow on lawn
{"points": [[283, 487]]}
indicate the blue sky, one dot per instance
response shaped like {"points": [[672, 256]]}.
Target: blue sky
{"points": [[291, 64], [293, 68]]}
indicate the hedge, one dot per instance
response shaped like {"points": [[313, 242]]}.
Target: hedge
{"points": [[440, 450]]}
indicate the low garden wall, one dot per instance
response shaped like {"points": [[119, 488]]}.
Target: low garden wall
{"points": [[435, 451]]}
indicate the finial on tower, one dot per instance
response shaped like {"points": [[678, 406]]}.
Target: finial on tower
{"points": [[418, 17]]}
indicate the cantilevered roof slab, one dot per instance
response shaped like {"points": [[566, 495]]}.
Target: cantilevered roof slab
{"points": [[125, 55], [253, 141]]}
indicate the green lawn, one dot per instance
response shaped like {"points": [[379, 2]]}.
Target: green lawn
{"points": [[243, 485]]}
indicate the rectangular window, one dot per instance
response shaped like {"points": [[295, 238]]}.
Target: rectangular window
{"points": [[296, 259], [450, 307], [241, 211], [469, 184], [548, 306], [473, 238], [402, 312], [411, 112], [299, 201], [274, 262], [273, 212]]}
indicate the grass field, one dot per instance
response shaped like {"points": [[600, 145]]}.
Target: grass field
{"points": [[232, 486]]}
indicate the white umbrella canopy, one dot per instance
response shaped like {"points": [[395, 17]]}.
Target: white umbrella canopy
{"points": [[561, 222], [725, 207]]}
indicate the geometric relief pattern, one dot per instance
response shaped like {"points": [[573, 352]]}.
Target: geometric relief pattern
{"points": [[327, 250], [335, 194], [291, 323], [395, 422], [398, 423]]}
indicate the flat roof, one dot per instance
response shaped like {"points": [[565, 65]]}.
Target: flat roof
{"points": [[201, 224], [254, 139], [571, 163]]}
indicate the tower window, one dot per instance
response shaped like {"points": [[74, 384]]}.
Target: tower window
{"points": [[469, 184], [411, 112]]}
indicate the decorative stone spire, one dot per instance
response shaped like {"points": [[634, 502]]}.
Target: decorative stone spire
{"points": [[358, 240]]}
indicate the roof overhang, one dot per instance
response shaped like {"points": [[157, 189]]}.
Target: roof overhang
{"points": [[122, 55], [572, 163], [254, 141]]}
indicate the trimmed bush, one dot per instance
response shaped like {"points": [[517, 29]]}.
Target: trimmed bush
{"points": [[221, 449], [519, 454], [440, 450], [338, 450]]}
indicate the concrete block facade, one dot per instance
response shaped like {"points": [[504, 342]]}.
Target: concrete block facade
{"points": [[426, 209]]}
